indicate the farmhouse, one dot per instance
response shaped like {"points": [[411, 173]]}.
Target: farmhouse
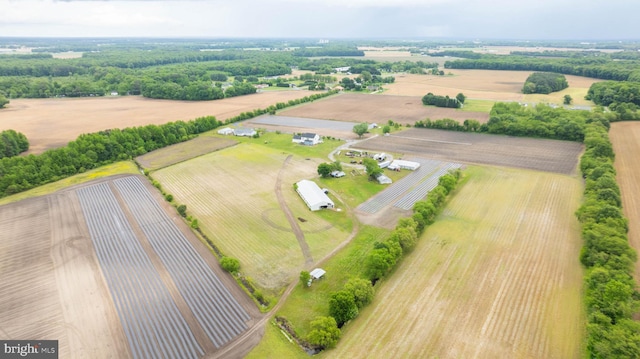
{"points": [[313, 196], [226, 131], [405, 165], [308, 139], [246, 132]]}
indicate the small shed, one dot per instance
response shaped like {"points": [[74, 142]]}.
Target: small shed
{"points": [[382, 179], [337, 174], [317, 273], [246, 132]]}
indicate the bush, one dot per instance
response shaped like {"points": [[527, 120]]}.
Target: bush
{"points": [[182, 210], [324, 332], [230, 265]]}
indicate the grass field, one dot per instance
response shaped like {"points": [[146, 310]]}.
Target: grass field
{"points": [[104, 171], [183, 151], [496, 276], [231, 193], [625, 138]]}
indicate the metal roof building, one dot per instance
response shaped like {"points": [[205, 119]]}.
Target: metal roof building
{"points": [[313, 196]]}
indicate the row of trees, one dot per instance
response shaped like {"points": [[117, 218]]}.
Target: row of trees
{"points": [[610, 289], [443, 101], [12, 143], [544, 83], [88, 151], [516, 120]]}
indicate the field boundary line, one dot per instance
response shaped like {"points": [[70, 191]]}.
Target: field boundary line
{"points": [[438, 141]]}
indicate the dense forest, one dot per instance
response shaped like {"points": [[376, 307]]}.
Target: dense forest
{"points": [[544, 83]]}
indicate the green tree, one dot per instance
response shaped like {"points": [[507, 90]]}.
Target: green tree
{"points": [[360, 129], [305, 277], [325, 169], [386, 129], [366, 76], [229, 264], [567, 100], [362, 291], [461, 97], [182, 210], [372, 167], [324, 332], [342, 307], [3, 101]]}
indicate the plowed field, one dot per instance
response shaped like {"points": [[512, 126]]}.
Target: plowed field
{"points": [[379, 109], [625, 137], [50, 123], [497, 276]]}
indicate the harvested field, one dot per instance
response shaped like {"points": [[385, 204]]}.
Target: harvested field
{"points": [[529, 153], [232, 193], [497, 276], [496, 85], [115, 285], [50, 123], [183, 151], [625, 137], [379, 109]]}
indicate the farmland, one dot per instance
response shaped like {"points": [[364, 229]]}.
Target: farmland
{"points": [[50, 123], [183, 151], [625, 138], [53, 287], [496, 276], [537, 154], [485, 85], [379, 109], [232, 193]]}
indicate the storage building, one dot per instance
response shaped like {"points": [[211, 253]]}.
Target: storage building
{"points": [[313, 196]]}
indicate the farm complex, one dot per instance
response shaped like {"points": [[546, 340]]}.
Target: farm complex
{"points": [[308, 202]]}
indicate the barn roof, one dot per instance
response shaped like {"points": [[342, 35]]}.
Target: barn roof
{"points": [[312, 194]]}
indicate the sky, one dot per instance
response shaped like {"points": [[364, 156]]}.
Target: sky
{"points": [[394, 19]]}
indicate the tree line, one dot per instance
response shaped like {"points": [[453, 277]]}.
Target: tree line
{"points": [[12, 143], [544, 83], [443, 101], [88, 151]]}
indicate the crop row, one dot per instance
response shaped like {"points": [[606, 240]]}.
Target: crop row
{"points": [[420, 191], [152, 323], [219, 314]]}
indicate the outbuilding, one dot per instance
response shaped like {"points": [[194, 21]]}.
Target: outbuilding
{"points": [[382, 179], [226, 131], [405, 165], [313, 195], [317, 273], [246, 132]]}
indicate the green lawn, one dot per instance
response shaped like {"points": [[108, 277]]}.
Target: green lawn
{"points": [[477, 105], [282, 142]]}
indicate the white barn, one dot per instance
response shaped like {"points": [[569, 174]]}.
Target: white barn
{"points": [[313, 196], [246, 132], [226, 131], [405, 165]]}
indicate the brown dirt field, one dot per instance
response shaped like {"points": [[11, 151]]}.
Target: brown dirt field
{"points": [[625, 137], [183, 151], [536, 154], [475, 84], [50, 123], [378, 109], [53, 287]]}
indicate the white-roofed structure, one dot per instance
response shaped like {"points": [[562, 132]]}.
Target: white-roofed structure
{"points": [[406, 165], [313, 196], [226, 131], [317, 273]]}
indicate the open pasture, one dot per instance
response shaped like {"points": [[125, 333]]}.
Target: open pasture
{"points": [[529, 153], [50, 123], [497, 276], [232, 193], [379, 109], [183, 151], [625, 138], [496, 85]]}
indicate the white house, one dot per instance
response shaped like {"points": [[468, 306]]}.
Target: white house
{"points": [[246, 132], [308, 139], [226, 131], [313, 196]]}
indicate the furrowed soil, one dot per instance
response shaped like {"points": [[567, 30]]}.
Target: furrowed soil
{"points": [[529, 153], [50, 123], [378, 109], [497, 276], [625, 137]]}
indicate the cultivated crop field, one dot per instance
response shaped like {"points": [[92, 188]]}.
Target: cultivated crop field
{"points": [[497, 276], [103, 269], [50, 123], [536, 154], [232, 193], [183, 151], [625, 137], [379, 109], [493, 85]]}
